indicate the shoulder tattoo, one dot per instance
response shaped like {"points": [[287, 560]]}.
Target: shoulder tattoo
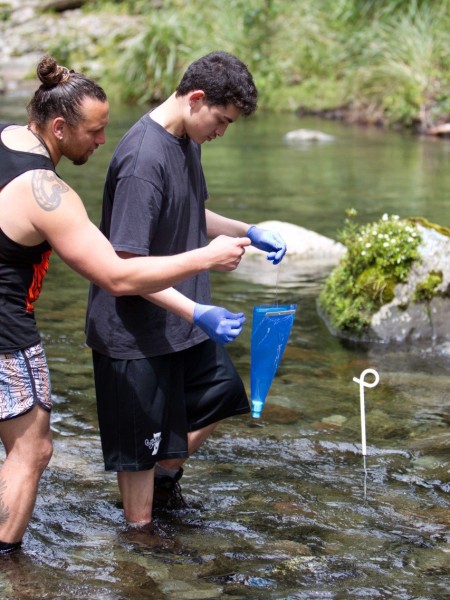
{"points": [[47, 189]]}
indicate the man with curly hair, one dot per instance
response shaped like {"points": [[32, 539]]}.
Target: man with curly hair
{"points": [[163, 378]]}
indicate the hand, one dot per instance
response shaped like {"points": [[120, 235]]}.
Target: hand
{"points": [[225, 252], [221, 325], [268, 241]]}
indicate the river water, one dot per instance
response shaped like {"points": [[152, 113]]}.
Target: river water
{"points": [[288, 510]]}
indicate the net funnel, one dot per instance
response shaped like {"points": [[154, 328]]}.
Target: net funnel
{"points": [[271, 328]]}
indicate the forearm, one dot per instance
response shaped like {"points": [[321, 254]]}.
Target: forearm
{"points": [[138, 275], [217, 224], [173, 301], [222, 254], [148, 275]]}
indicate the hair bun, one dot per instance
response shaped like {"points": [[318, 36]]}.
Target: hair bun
{"points": [[50, 73]]}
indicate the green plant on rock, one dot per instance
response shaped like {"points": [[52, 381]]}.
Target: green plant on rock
{"points": [[5, 11], [426, 290], [379, 256]]}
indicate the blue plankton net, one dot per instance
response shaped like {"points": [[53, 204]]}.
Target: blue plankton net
{"points": [[270, 332]]}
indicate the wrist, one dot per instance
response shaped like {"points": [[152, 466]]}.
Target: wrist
{"points": [[204, 261], [196, 312]]}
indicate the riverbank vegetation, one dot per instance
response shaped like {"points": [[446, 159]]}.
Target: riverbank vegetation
{"points": [[384, 63]]}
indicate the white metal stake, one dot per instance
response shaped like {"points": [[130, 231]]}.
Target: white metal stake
{"points": [[362, 384]]}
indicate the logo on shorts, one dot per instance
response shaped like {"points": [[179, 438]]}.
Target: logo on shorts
{"points": [[154, 443]]}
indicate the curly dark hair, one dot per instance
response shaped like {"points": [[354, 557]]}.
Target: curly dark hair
{"points": [[224, 79], [61, 93]]}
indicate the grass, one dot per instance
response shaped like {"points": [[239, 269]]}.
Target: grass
{"points": [[384, 62]]}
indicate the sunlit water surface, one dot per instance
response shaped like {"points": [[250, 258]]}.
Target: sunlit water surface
{"points": [[288, 510]]}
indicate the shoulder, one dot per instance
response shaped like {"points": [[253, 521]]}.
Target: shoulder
{"points": [[142, 152], [42, 205], [48, 190]]}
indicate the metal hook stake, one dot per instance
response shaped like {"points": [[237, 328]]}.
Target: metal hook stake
{"points": [[362, 384]]}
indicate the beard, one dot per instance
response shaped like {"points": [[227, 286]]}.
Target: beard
{"points": [[72, 154], [80, 160]]}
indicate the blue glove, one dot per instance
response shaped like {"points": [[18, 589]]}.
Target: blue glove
{"points": [[221, 325], [268, 241]]}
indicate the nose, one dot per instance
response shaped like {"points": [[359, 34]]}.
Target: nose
{"points": [[100, 138], [220, 131]]}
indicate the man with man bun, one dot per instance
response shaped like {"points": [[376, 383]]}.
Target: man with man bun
{"points": [[39, 213]]}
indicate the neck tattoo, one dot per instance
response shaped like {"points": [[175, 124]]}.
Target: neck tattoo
{"points": [[41, 140]]}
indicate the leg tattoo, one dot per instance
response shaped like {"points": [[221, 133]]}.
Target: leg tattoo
{"points": [[4, 512]]}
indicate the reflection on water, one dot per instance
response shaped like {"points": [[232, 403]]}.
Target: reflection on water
{"points": [[288, 511]]}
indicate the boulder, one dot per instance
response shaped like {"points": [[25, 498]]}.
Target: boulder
{"points": [[303, 244], [410, 310], [300, 136], [443, 129], [410, 319], [308, 253], [62, 5]]}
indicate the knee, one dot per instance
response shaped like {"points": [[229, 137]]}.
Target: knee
{"points": [[43, 454], [40, 456], [31, 460]]}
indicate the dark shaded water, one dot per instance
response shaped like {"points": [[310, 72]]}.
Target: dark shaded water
{"points": [[288, 510]]}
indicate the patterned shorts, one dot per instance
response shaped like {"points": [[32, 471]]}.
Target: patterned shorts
{"points": [[24, 382]]}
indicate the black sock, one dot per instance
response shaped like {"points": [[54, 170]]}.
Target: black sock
{"points": [[6, 547]]}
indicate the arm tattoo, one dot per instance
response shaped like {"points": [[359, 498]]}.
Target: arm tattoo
{"points": [[4, 512], [47, 189]]}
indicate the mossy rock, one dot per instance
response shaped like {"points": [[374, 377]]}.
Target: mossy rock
{"points": [[393, 285]]}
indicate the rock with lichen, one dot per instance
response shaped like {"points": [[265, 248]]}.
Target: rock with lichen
{"points": [[393, 285]]}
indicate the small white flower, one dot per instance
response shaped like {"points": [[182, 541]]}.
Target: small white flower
{"points": [[385, 217]]}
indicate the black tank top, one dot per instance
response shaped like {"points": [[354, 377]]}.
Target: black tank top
{"points": [[22, 268]]}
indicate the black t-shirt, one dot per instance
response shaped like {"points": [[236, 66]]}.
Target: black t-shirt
{"points": [[153, 205]]}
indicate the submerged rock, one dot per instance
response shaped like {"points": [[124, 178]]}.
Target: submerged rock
{"points": [[307, 135]]}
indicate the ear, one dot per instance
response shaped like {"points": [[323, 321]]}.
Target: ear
{"points": [[196, 96], [58, 126]]}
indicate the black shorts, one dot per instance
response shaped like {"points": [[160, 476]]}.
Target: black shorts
{"points": [[147, 406]]}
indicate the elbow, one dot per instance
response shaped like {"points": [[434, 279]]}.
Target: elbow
{"points": [[115, 291], [117, 287], [120, 287]]}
